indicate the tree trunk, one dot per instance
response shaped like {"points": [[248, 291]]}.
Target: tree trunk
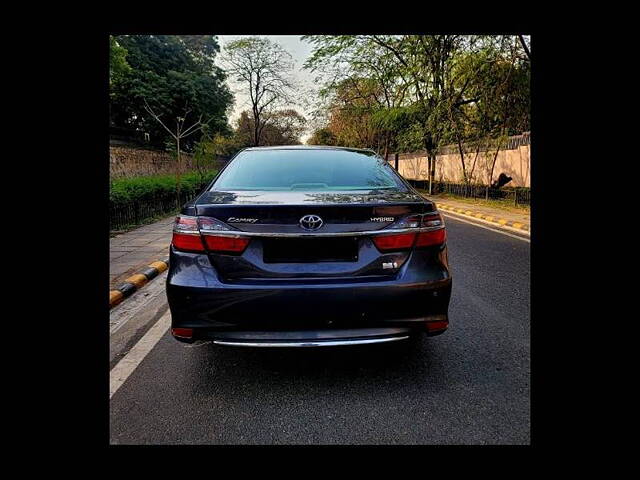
{"points": [[256, 132], [429, 148], [178, 173], [460, 147], [431, 165], [475, 158], [386, 145], [495, 158], [464, 170], [256, 126]]}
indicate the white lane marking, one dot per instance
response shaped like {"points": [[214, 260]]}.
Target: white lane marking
{"points": [[487, 228], [125, 367]]}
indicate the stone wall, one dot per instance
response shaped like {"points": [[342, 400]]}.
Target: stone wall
{"points": [[126, 161]]}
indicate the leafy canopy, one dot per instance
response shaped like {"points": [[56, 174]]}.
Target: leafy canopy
{"points": [[173, 74], [419, 92]]}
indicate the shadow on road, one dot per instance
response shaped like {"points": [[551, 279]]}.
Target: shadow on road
{"points": [[413, 362]]}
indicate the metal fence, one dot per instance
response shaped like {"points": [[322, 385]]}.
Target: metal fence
{"points": [[514, 195], [123, 216]]}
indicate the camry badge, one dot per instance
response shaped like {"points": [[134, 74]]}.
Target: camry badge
{"points": [[311, 222], [241, 220]]}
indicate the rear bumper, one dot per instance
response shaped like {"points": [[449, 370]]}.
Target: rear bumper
{"points": [[306, 313], [309, 343], [306, 338]]}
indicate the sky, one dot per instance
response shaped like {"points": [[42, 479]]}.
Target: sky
{"points": [[298, 49]]}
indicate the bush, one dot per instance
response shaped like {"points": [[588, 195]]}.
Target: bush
{"points": [[141, 189], [135, 201]]}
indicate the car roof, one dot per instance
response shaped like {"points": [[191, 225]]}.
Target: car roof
{"points": [[308, 147]]}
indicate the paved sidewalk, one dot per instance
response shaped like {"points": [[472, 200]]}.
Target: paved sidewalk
{"points": [[483, 211], [129, 252]]}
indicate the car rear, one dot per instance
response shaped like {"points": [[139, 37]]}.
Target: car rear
{"points": [[308, 247]]}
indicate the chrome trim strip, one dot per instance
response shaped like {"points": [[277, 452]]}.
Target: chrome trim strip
{"points": [[328, 343], [326, 234]]}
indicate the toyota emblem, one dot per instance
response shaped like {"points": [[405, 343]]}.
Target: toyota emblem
{"points": [[311, 222]]}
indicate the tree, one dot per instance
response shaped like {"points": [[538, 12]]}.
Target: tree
{"points": [[511, 96], [525, 46], [407, 70], [496, 77], [421, 92], [178, 134], [350, 110], [473, 74], [355, 117], [322, 136], [424, 63], [263, 67], [225, 145], [360, 79], [169, 72], [118, 66], [282, 127]]}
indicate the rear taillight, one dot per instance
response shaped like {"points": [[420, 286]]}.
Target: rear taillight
{"points": [[226, 244], [187, 242], [196, 234], [411, 221], [437, 326], [433, 220], [182, 332], [388, 243], [186, 236], [436, 237], [431, 233]]}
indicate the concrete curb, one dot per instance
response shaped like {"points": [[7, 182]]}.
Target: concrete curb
{"points": [[137, 281], [493, 220]]}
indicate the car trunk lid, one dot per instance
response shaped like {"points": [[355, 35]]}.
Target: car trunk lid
{"points": [[282, 247]]}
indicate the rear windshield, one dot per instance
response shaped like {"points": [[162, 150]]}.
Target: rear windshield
{"points": [[307, 170]]}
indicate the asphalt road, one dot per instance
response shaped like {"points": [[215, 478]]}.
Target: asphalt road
{"points": [[467, 386]]}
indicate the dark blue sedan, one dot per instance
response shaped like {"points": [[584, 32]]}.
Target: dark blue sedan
{"points": [[308, 246]]}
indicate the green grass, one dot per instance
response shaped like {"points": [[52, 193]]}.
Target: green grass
{"points": [[506, 205]]}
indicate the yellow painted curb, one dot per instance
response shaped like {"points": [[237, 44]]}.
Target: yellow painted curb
{"points": [[138, 280], [115, 297], [489, 218], [160, 266]]}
